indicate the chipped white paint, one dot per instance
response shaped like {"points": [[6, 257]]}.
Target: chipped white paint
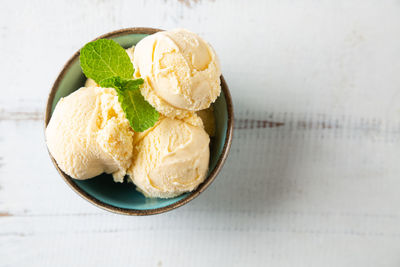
{"points": [[313, 174]]}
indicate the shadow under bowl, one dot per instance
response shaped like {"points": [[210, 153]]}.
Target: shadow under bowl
{"points": [[123, 198]]}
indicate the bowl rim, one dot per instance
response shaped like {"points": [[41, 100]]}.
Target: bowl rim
{"points": [[192, 195]]}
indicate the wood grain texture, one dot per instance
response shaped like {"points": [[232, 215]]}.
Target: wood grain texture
{"points": [[313, 175]]}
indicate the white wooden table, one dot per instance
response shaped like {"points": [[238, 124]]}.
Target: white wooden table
{"points": [[313, 177]]}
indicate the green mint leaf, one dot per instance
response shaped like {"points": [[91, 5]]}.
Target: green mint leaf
{"points": [[133, 84], [115, 82], [140, 114], [103, 59]]}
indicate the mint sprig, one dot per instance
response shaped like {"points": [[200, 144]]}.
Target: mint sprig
{"points": [[140, 114], [104, 59], [108, 64]]}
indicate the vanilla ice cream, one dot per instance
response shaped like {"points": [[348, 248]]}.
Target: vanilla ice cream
{"points": [[170, 159], [181, 72], [88, 134]]}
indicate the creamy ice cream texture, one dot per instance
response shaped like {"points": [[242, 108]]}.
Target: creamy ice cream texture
{"points": [[181, 72], [170, 159], [88, 134]]}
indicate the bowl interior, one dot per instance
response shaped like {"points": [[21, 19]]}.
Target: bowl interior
{"points": [[124, 195]]}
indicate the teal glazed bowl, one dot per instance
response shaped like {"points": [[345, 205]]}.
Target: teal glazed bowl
{"points": [[123, 198]]}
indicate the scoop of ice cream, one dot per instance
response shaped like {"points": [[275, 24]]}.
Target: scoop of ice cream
{"points": [[89, 82], [181, 72], [170, 159], [88, 134]]}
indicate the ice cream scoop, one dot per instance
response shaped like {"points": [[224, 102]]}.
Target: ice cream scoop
{"points": [[88, 134], [170, 159], [181, 72]]}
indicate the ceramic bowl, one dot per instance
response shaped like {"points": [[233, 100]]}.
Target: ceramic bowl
{"points": [[123, 198]]}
